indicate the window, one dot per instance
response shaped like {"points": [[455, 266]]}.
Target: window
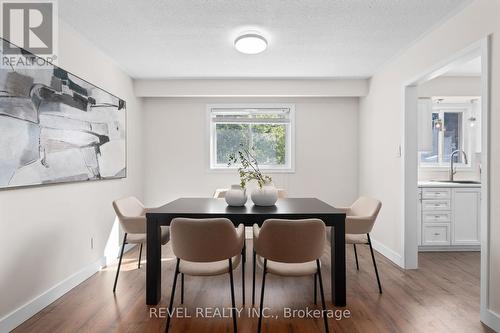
{"points": [[448, 133], [267, 129]]}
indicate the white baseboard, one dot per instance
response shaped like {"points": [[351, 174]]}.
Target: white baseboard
{"points": [[491, 319], [388, 253], [464, 248], [20, 315]]}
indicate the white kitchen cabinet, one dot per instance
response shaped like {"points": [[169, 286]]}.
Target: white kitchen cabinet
{"points": [[436, 234], [431, 217], [436, 193], [433, 205], [466, 216], [449, 218]]}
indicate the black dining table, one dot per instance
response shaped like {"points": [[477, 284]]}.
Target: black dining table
{"points": [[286, 208]]}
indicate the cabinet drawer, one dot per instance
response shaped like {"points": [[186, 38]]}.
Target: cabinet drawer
{"points": [[436, 205], [436, 234], [436, 217], [436, 193]]}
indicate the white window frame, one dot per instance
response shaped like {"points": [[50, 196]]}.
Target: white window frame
{"points": [[289, 166], [467, 139]]}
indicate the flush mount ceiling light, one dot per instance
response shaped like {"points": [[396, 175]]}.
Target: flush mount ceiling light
{"points": [[250, 43]]}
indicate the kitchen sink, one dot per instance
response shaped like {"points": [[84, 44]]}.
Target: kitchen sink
{"points": [[457, 181]]}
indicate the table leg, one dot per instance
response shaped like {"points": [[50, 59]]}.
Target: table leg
{"points": [[338, 269], [153, 263]]}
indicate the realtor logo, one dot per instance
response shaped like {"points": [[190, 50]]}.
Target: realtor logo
{"points": [[29, 25]]}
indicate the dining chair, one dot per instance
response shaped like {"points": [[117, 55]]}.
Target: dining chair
{"points": [[221, 193], [132, 216], [207, 247], [360, 219], [281, 194], [290, 248]]}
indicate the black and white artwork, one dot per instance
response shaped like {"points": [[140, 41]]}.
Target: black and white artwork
{"points": [[56, 127]]}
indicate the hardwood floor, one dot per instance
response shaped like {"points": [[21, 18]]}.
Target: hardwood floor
{"points": [[442, 296]]}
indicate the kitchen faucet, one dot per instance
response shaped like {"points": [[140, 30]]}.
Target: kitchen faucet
{"points": [[452, 171]]}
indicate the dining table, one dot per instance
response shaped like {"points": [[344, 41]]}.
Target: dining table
{"points": [[249, 214]]}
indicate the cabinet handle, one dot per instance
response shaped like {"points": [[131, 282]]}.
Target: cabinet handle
{"points": [[437, 216], [436, 234]]}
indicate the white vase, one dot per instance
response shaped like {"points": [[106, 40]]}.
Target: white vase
{"points": [[265, 196], [236, 196]]}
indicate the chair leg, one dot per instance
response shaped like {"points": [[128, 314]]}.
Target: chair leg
{"points": [[172, 295], [243, 274], [140, 255], [356, 255], [253, 277], [315, 288], [244, 252], [120, 261], [233, 303], [374, 264], [325, 319], [262, 295], [182, 288]]}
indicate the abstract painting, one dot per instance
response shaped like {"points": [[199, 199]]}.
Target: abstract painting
{"points": [[56, 127]]}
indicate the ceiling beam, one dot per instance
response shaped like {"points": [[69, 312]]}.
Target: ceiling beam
{"points": [[252, 88]]}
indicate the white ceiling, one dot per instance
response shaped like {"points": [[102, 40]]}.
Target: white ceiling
{"points": [[469, 68], [307, 38]]}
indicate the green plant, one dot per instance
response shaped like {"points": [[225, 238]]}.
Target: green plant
{"points": [[249, 167]]}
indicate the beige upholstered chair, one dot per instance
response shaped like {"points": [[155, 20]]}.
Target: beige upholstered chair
{"points": [[207, 247], [132, 216], [281, 194], [221, 193], [290, 248], [360, 218]]}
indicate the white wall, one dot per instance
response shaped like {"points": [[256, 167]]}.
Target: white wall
{"points": [[176, 150], [45, 231], [381, 114], [451, 86]]}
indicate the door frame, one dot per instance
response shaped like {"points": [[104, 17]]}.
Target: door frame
{"points": [[409, 162]]}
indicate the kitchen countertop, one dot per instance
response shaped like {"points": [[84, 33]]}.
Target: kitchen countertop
{"points": [[429, 183]]}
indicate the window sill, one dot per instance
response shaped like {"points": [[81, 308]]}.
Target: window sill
{"points": [[235, 171]]}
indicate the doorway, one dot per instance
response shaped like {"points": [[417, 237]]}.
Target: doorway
{"points": [[452, 114]]}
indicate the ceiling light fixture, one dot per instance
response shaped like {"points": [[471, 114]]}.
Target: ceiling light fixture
{"points": [[250, 43]]}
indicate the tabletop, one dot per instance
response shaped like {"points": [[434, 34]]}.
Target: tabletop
{"points": [[219, 206]]}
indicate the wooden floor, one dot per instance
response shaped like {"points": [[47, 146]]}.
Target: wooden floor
{"points": [[442, 296]]}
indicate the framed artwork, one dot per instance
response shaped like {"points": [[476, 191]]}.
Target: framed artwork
{"points": [[56, 127]]}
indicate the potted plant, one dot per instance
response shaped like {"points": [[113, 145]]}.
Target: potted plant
{"points": [[265, 194]]}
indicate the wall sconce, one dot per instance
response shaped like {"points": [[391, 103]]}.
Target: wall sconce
{"points": [[438, 124], [472, 121]]}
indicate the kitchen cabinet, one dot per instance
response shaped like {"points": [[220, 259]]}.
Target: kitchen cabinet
{"points": [[466, 216], [449, 218]]}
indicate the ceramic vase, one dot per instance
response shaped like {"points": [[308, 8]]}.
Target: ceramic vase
{"points": [[265, 196], [236, 196]]}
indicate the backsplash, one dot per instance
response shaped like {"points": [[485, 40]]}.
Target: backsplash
{"points": [[474, 173]]}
